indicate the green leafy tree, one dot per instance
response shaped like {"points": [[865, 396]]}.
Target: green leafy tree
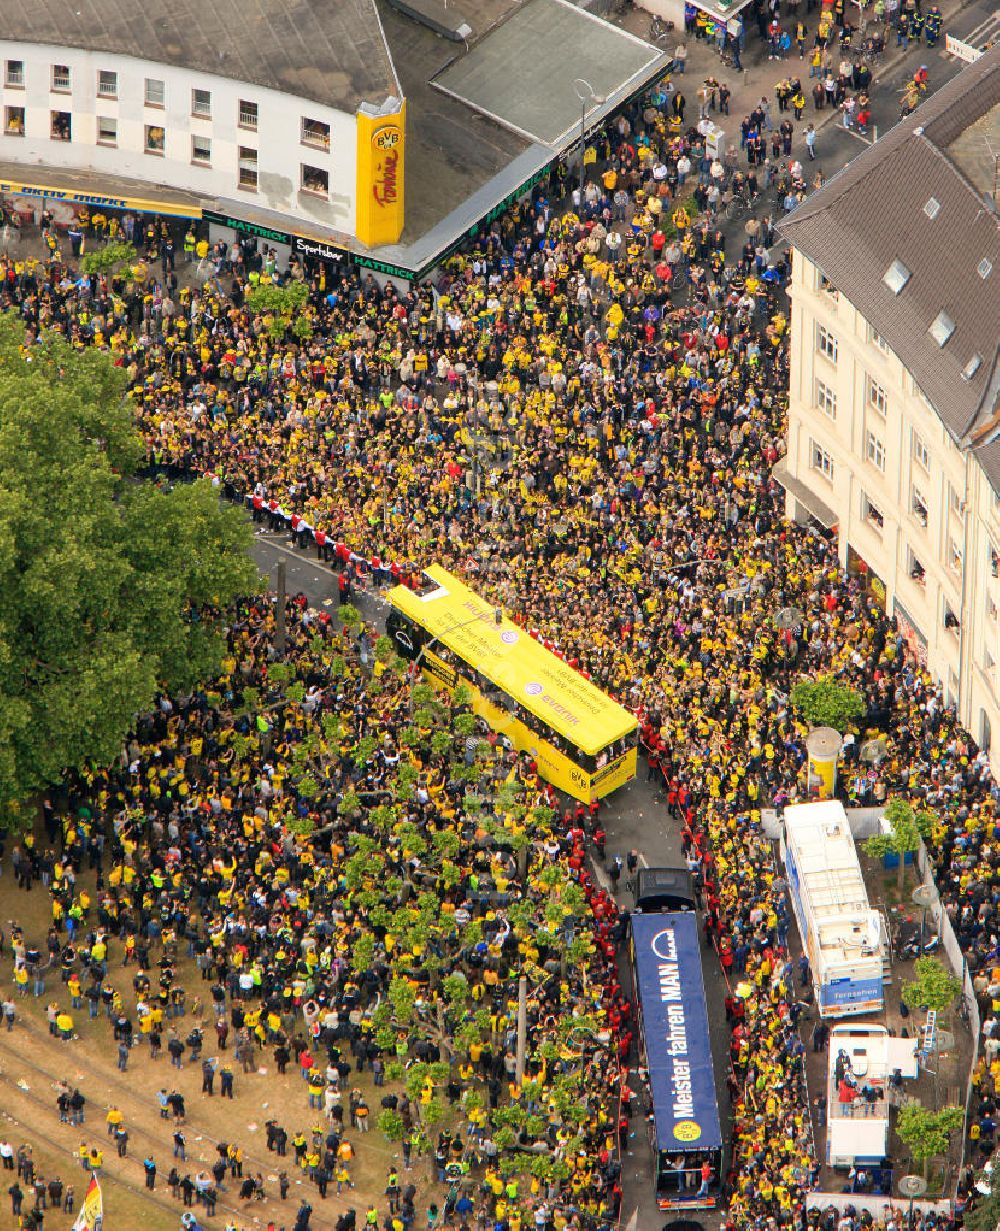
{"points": [[103, 260], [983, 1213], [926, 1133], [824, 702], [111, 587], [391, 1124], [933, 987], [350, 616], [907, 827], [281, 306]]}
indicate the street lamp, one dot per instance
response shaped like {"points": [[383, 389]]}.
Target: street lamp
{"points": [[788, 619], [912, 1186], [874, 750], [586, 93], [923, 896]]}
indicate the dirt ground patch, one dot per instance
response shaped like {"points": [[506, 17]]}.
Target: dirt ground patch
{"points": [[31, 1058]]}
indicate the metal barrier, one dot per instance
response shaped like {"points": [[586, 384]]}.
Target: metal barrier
{"points": [[876, 1204]]}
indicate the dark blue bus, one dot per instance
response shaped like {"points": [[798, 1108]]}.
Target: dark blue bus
{"points": [[686, 1137]]}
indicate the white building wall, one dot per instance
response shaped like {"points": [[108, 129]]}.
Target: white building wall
{"points": [[281, 153], [877, 456]]}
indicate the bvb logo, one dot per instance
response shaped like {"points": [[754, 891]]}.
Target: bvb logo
{"points": [[687, 1130], [386, 138]]}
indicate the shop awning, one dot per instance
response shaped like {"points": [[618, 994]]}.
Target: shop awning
{"points": [[804, 495]]}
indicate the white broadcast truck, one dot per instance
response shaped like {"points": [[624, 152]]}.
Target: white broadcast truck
{"points": [[842, 936], [863, 1061]]}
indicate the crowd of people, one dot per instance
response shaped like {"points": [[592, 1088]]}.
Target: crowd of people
{"points": [[581, 418], [388, 946]]}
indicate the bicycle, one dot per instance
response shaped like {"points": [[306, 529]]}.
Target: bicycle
{"points": [[739, 206]]}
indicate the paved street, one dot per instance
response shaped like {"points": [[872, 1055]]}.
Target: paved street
{"points": [[635, 817]]}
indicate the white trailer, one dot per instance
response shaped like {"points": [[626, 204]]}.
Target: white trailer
{"points": [[842, 936], [858, 1125]]}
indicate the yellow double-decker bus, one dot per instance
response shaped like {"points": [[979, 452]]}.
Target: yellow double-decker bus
{"points": [[583, 742]]}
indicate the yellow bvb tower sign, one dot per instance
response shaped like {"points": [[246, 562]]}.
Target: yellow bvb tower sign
{"points": [[380, 157]]}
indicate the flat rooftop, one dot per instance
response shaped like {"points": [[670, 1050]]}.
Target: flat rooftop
{"points": [[450, 150], [526, 72], [976, 150], [330, 51]]}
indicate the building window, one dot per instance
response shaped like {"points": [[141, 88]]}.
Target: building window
{"points": [[13, 121], [876, 339], [991, 607], [951, 620], [155, 92], [896, 277], [823, 283], [916, 570], [201, 149], [994, 556], [315, 179], [918, 392], [201, 104], [875, 451], [13, 74], [955, 503], [156, 139], [60, 77], [919, 506], [315, 132], [248, 115], [954, 556], [826, 343], [826, 400], [877, 399], [248, 168], [988, 662], [61, 125], [871, 513], [920, 451], [107, 84], [820, 460], [107, 130]]}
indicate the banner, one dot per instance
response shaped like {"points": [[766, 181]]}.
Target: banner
{"points": [[91, 1215], [381, 141], [48, 192]]}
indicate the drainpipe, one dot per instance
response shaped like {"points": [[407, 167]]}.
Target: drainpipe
{"points": [[962, 631]]}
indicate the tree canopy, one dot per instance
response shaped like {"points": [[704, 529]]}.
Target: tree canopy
{"points": [[933, 987], [112, 587], [907, 827], [926, 1133], [824, 702]]}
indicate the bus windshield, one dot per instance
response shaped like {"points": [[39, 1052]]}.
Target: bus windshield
{"points": [[673, 1020]]}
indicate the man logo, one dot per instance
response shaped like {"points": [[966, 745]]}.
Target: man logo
{"points": [[663, 950], [533, 689], [687, 1130], [508, 636]]}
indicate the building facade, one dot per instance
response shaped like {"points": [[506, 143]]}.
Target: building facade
{"points": [[893, 411], [245, 128]]}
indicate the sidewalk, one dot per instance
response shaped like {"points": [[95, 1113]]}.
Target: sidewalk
{"points": [[759, 75]]}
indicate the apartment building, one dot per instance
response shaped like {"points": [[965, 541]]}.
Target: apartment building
{"points": [[268, 111], [894, 424]]}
